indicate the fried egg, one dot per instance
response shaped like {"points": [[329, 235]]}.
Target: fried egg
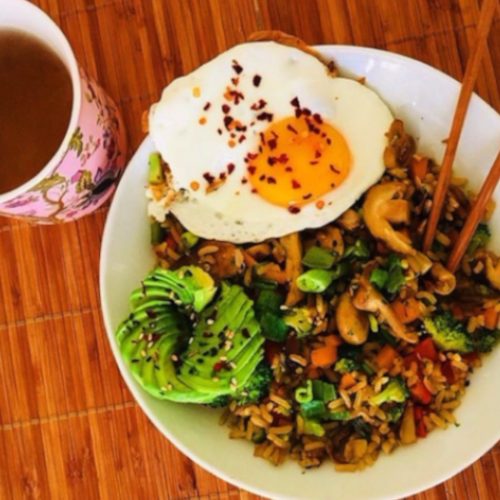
{"points": [[262, 141]]}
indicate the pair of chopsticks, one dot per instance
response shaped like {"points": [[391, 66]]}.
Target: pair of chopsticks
{"points": [[473, 65]]}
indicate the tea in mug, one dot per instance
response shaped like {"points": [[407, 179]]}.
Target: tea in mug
{"points": [[36, 95]]}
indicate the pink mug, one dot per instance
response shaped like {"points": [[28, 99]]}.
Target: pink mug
{"points": [[84, 171]]}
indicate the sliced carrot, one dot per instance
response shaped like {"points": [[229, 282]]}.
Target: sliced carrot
{"points": [[332, 340], [419, 167], [407, 310], [386, 356], [490, 318], [347, 381], [324, 357], [313, 372]]}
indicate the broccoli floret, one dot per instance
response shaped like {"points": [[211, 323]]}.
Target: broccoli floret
{"points": [[485, 340], [448, 333], [346, 365], [300, 319], [395, 391], [257, 387], [480, 239], [220, 402], [394, 413]]}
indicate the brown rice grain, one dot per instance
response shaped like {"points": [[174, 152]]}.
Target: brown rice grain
{"points": [[282, 429], [259, 422], [280, 443], [300, 360], [280, 401], [315, 445]]}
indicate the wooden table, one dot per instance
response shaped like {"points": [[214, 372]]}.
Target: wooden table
{"points": [[68, 426]]}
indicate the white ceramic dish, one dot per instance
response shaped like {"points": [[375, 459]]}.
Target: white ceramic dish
{"points": [[424, 98]]}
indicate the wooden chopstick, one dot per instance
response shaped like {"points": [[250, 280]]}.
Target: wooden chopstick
{"points": [[475, 216], [471, 71]]}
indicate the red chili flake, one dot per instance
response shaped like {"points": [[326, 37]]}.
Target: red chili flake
{"points": [[288, 169], [260, 149], [237, 96], [262, 178], [317, 118], [306, 111], [256, 80], [271, 160], [226, 108], [262, 139], [298, 113], [219, 131], [232, 135], [206, 107], [323, 135], [220, 365], [295, 102], [272, 143], [252, 156], [333, 169], [333, 185], [230, 168], [265, 116], [209, 177], [235, 81], [227, 121], [307, 196], [317, 154], [328, 141], [292, 129], [293, 209], [241, 128], [222, 176], [251, 169], [274, 134], [296, 184], [243, 180], [242, 138], [236, 67], [271, 180], [254, 191], [257, 106], [314, 162], [252, 124], [283, 158]]}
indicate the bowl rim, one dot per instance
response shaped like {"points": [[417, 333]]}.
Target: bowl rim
{"points": [[138, 394]]}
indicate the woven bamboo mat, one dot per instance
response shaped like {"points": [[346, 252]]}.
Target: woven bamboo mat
{"points": [[68, 426]]}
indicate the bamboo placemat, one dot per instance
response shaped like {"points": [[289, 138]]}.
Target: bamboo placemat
{"points": [[68, 426]]}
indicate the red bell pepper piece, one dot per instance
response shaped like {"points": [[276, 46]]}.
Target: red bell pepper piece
{"points": [[420, 393], [426, 350], [418, 415], [447, 371], [271, 350]]}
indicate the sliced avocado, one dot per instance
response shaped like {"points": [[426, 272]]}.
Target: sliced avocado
{"points": [[156, 174]]}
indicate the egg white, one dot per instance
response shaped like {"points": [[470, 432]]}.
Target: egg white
{"points": [[192, 149]]}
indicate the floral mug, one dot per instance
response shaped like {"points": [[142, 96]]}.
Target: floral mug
{"points": [[84, 171]]}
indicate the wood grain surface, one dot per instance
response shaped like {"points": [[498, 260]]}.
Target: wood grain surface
{"points": [[68, 426]]}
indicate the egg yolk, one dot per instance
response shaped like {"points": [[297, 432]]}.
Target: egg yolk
{"points": [[299, 160]]}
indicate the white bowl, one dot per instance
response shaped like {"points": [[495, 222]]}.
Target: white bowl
{"points": [[424, 98]]}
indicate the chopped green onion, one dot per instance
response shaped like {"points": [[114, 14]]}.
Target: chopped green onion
{"points": [[315, 280], [368, 368], [156, 175], [157, 233], [396, 280], [323, 391], [304, 394], [313, 428], [379, 277], [373, 323], [318, 258], [273, 327], [189, 239], [359, 249], [263, 284], [313, 409], [338, 415]]}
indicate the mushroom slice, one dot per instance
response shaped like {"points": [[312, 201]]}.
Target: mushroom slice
{"points": [[352, 324], [367, 298], [493, 272], [445, 282], [381, 208]]}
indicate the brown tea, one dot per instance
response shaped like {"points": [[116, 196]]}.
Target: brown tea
{"points": [[36, 96]]}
